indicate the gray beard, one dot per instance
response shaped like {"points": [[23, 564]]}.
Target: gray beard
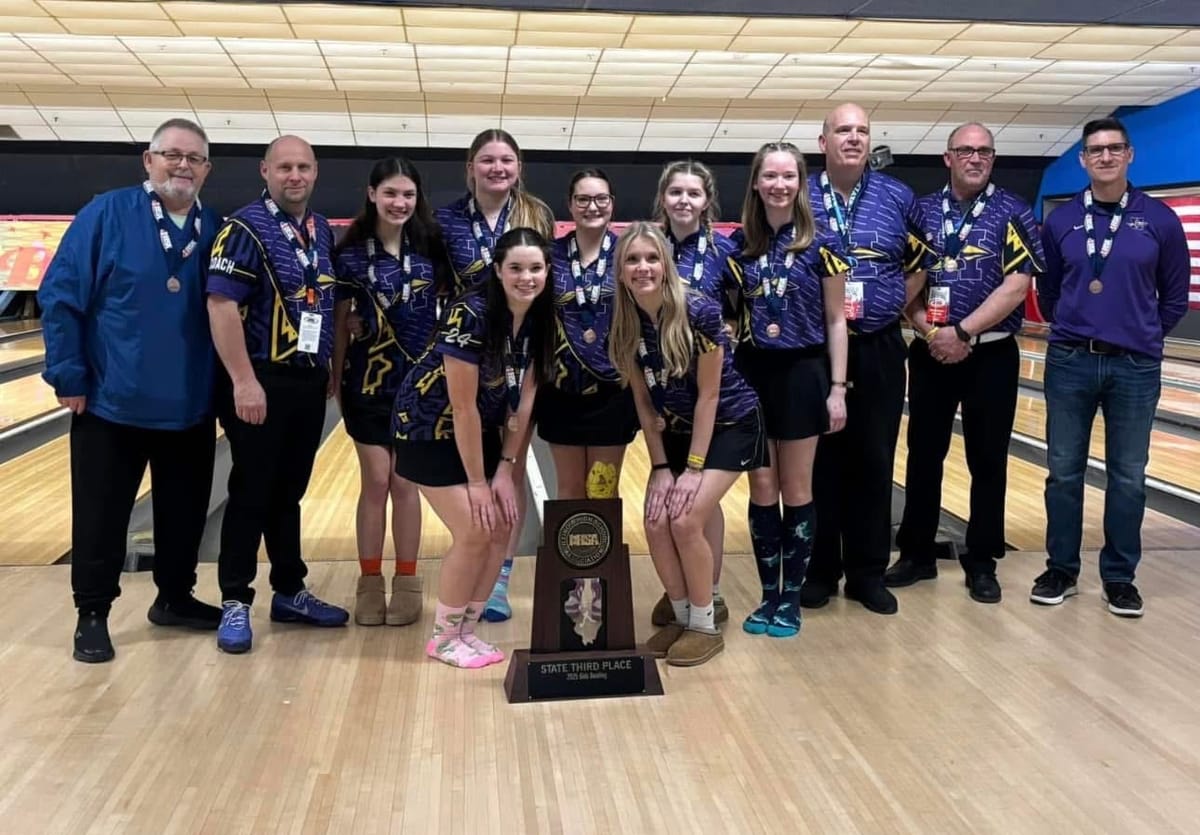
{"points": [[165, 189]]}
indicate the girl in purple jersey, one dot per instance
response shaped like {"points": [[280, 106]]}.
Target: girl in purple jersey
{"points": [[584, 414], [686, 204], [792, 283], [394, 256], [464, 418], [701, 423], [495, 202]]}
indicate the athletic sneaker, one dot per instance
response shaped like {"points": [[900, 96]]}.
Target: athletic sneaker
{"points": [[1052, 587], [233, 635], [304, 607], [1123, 600]]}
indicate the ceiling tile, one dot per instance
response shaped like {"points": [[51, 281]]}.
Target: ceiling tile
{"points": [[12, 23], [34, 132], [597, 40], [674, 144], [359, 50], [907, 30], [370, 34], [342, 14], [460, 18], [996, 32], [913, 46], [684, 25], [236, 13], [797, 27], [237, 29], [1044, 134], [892, 132], [1171, 53], [1092, 52], [608, 127], [677, 41], [998, 49], [756, 43], [1146, 35], [103, 9], [582, 23], [89, 133], [107, 26], [475, 37], [242, 136], [746, 144], [390, 139]]}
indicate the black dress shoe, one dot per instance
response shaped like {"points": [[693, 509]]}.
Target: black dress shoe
{"points": [[906, 572], [983, 587], [814, 594], [184, 611], [873, 596], [92, 644]]}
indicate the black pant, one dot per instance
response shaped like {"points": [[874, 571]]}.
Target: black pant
{"points": [[272, 463], [108, 461], [986, 385], [852, 475]]}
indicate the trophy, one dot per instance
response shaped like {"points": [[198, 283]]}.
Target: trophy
{"points": [[582, 643]]}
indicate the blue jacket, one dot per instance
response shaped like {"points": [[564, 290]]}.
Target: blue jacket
{"points": [[114, 331]]}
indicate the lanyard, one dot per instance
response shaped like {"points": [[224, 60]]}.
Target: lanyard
{"points": [[308, 258], [1099, 257], [839, 221], [373, 279], [774, 284], [586, 295], [699, 263], [955, 237], [174, 260], [514, 371], [656, 379], [479, 223]]}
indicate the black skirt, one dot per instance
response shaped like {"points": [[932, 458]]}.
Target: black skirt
{"points": [[738, 448], [605, 418], [792, 385], [438, 464]]}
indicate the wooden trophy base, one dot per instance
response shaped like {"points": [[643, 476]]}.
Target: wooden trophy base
{"points": [[534, 677]]}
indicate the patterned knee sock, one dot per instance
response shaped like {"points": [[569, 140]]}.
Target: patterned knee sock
{"points": [[766, 532], [497, 605], [799, 525], [446, 644]]}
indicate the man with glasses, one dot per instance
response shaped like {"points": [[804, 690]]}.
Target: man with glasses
{"points": [[875, 216], [128, 351], [271, 297], [966, 355], [1116, 283]]}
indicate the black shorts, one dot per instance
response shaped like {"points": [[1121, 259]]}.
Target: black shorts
{"points": [[438, 464], [606, 418], [792, 385], [368, 419], [738, 448]]}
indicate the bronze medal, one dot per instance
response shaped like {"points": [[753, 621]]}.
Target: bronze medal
{"points": [[513, 423], [773, 330], [1096, 286], [589, 336], [173, 285], [950, 264], [660, 423]]}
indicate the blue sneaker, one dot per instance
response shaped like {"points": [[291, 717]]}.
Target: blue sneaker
{"points": [[305, 608], [233, 633]]}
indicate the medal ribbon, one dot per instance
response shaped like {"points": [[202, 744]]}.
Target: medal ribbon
{"points": [[586, 295], [308, 258], [373, 277], [699, 262], [1099, 257], [656, 379], [955, 237], [479, 224], [174, 259], [774, 284], [514, 378], [839, 221]]}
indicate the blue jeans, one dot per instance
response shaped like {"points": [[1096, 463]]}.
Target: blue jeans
{"points": [[1126, 389]]}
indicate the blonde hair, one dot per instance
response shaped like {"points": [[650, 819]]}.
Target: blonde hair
{"points": [[675, 334], [527, 210], [712, 212], [754, 213]]}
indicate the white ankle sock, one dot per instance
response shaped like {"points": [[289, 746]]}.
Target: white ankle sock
{"points": [[681, 611], [700, 618]]}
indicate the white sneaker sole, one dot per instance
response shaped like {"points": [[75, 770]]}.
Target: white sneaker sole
{"points": [[1043, 600], [1123, 613]]}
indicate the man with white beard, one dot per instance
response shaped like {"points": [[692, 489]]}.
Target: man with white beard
{"points": [[128, 351]]}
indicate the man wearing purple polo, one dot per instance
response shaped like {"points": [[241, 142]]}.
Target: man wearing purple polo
{"points": [[1116, 284]]}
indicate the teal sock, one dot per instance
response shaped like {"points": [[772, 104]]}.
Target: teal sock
{"points": [[498, 608]]}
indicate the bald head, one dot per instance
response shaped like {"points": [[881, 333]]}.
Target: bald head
{"points": [[289, 168], [846, 140]]}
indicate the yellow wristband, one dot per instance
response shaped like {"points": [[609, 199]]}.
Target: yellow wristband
{"points": [[695, 462], [929, 334]]}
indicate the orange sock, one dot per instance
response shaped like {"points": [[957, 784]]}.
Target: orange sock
{"points": [[370, 566], [406, 569]]}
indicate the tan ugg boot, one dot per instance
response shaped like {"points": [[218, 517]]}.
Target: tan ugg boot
{"points": [[405, 606], [663, 612], [661, 641], [694, 648], [369, 601]]}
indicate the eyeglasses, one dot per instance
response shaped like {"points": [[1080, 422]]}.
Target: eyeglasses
{"points": [[1097, 151], [966, 152], [582, 201], [176, 157]]}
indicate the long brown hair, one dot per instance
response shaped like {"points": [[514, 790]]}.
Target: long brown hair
{"points": [[527, 211], [675, 335], [755, 229]]}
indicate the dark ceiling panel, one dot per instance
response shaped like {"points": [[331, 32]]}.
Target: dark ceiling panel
{"points": [[1127, 12]]}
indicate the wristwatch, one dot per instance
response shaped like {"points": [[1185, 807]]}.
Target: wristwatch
{"points": [[961, 333]]}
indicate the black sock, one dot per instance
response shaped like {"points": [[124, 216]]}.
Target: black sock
{"points": [[766, 529], [799, 527]]}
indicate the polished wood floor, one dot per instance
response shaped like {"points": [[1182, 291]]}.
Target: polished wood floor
{"points": [[25, 398], [951, 717]]}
